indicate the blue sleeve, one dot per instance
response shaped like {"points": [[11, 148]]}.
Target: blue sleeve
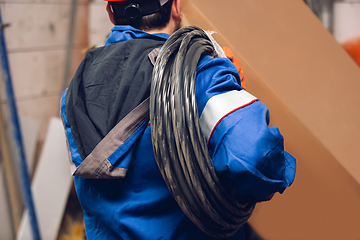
{"points": [[246, 152]]}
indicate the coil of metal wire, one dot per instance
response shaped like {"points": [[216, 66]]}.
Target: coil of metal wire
{"points": [[179, 146]]}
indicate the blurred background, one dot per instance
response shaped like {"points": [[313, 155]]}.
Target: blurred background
{"points": [[47, 39]]}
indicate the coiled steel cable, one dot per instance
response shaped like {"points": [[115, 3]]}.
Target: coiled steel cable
{"points": [[179, 146]]}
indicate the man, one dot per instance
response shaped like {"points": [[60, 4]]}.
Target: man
{"points": [[117, 180]]}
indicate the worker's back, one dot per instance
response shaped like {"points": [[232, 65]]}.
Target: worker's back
{"points": [[117, 179]]}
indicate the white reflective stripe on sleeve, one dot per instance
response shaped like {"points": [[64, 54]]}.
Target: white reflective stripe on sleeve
{"points": [[220, 106]]}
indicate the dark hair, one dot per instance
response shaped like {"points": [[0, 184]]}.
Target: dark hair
{"points": [[155, 20]]}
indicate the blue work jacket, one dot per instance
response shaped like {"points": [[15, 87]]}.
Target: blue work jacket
{"points": [[120, 189]]}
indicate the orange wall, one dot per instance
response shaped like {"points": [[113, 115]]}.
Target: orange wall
{"points": [[294, 65]]}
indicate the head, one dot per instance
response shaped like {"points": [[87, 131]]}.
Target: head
{"points": [[146, 15]]}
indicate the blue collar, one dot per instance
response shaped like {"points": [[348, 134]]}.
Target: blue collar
{"points": [[121, 33]]}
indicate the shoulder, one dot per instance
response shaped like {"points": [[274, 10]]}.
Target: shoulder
{"points": [[215, 76]]}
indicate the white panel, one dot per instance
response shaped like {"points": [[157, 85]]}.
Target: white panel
{"points": [[40, 109], [346, 21], [51, 185], [29, 129]]}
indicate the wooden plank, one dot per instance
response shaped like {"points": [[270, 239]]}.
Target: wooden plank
{"points": [[51, 185], [10, 209], [6, 225], [10, 176]]}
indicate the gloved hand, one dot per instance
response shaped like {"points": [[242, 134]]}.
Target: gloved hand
{"points": [[229, 54]]}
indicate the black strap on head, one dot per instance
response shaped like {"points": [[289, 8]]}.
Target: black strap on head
{"points": [[133, 12], [136, 9]]}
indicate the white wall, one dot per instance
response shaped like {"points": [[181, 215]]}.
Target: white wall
{"points": [[99, 23], [37, 46], [346, 20], [37, 42]]}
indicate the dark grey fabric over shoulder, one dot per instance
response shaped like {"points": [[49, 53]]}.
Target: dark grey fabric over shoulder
{"points": [[96, 164], [109, 83], [153, 55]]}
